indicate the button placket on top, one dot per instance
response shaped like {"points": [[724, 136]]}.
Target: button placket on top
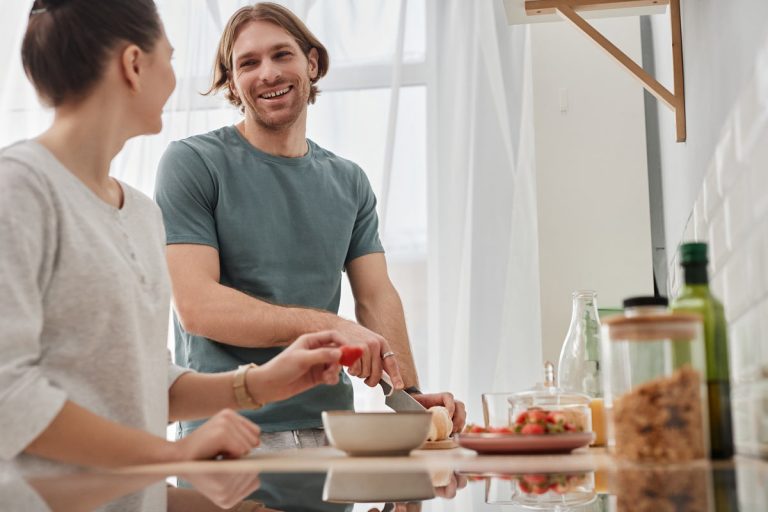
{"points": [[130, 250]]}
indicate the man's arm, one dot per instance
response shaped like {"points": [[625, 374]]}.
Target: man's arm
{"points": [[207, 308], [378, 307]]}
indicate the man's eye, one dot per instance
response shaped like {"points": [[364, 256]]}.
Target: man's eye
{"points": [[281, 55]]}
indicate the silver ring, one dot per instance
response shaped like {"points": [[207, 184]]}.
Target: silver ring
{"points": [[387, 354]]}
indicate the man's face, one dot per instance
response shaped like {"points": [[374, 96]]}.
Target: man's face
{"points": [[271, 75]]}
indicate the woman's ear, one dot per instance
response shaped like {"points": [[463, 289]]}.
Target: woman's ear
{"points": [[130, 65]]}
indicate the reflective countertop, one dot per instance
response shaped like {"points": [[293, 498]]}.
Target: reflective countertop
{"points": [[452, 480]]}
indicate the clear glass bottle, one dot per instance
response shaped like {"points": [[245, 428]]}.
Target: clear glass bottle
{"points": [[579, 366]]}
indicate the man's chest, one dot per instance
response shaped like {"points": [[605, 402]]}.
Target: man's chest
{"points": [[274, 220]]}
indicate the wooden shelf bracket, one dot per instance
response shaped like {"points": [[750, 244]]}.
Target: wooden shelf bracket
{"points": [[567, 9]]}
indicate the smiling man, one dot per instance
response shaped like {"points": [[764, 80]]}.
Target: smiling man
{"points": [[260, 224]]}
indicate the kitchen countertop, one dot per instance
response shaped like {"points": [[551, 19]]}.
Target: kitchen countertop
{"points": [[324, 479]]}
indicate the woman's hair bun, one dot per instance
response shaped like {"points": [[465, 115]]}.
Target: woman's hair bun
{"points": [[66, 53], [54, 4]]}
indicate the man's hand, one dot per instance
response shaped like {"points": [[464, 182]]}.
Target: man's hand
{"points": [[448, 489], [455, 407], [370, 366], [227, 433], [310, 360]]}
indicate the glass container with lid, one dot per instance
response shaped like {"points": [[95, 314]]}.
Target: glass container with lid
{"points": [[634, 306], [543, 491], [655, 387], [576, 414]]}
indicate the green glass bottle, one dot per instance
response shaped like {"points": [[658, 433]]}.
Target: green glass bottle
{"points": [[696, 297]]}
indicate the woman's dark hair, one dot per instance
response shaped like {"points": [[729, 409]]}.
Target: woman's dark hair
{"points": [[67, 42]]}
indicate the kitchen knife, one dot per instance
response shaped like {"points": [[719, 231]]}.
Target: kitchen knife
{"points": [[398, 400]]}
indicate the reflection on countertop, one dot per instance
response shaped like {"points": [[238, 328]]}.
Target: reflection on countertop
{"points": [[466, 484]]}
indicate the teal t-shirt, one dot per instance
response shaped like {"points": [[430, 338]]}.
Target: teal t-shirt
{"points": [[284, 228]]}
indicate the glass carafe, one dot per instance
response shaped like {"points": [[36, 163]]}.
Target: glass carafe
{"points": [[579, 366]]}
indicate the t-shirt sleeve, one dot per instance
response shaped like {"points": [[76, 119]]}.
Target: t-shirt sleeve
{"points": [[175, 371], [28, 400], [365, 234], [187, 193]]}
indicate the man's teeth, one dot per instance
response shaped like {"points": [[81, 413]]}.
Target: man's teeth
{"points": [[275, 93]]}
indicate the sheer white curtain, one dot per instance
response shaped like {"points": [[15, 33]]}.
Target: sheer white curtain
{"points": [[432, 98], [484, 330]]}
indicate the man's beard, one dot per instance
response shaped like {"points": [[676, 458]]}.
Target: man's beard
{"points": [[285, 118]]}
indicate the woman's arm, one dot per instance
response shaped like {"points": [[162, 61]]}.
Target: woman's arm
{"points": [[311, 360], [78, 436]]}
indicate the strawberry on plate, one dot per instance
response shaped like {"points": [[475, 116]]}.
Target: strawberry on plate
{"points": [[532, 429], [537, 415]]}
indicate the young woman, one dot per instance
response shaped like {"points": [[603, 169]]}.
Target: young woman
{"points": [[85, 378]]}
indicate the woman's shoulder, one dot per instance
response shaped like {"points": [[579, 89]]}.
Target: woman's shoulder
{"points": [[23, 168]]}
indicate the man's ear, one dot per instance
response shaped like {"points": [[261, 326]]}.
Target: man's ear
{"points": [[312, 57], [130, 66], [231, 87]]}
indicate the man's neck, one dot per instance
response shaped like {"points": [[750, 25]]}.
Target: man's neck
{"points": [[288, 142]]}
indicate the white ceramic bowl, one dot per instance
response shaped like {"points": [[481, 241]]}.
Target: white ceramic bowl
{"points": [[355, 486], [376, 433]]}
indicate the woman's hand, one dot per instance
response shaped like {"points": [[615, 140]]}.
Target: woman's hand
{"points": [[310, 360], [226, 434], [225, 490]]}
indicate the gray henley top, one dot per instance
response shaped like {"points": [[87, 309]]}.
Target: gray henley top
{"points": [[84, 301]]}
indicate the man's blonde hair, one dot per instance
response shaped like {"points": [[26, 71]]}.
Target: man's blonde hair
{"points": [[283, 18]]}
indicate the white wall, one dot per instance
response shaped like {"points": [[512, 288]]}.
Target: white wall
{"points": [[592, 181], [716, 184]]}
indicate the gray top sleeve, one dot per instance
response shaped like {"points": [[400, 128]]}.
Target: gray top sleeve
{"points": [[175, 371], [365, 233], [27, 250], [186, 193]]}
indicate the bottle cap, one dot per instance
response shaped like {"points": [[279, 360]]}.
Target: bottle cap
{"points": [[693, 253], [634, 302]]}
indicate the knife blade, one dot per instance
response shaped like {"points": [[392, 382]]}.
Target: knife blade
{"points": [[397, 399]]}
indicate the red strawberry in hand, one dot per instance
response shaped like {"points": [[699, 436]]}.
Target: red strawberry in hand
{"points": [[350, 354]]}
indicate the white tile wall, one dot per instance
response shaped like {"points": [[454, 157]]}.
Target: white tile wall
{"points": [[719, 243], [731, 214]]}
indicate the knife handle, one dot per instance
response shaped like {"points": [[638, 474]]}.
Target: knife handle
{"points": [[386, 384]]}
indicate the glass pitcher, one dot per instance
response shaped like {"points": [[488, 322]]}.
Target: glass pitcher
{"points": [[579, 366]]}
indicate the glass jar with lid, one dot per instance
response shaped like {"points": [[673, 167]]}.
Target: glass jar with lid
{"points": [[573, 407], [655, 387], [643, 305]]}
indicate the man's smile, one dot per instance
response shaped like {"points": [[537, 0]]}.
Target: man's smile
{"points": [[276, 93]]}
